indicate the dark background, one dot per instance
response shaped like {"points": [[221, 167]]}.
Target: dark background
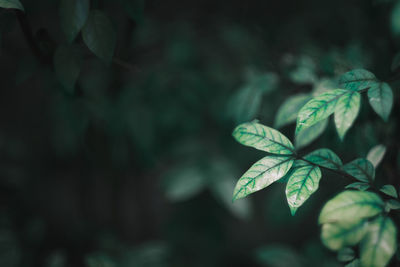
{"points": [[137, 165]]}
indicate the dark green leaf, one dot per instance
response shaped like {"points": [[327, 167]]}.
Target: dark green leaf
{"points": [[351, 206], [73, 15], [346, 112], [395, 19], [393, 204], [287, 112], [278, 256], [263, 138], [99, 35], [381, 99], [389, 190], [307, 135], [67, 65], [245, 104], [357, 80], [379, 244], [345, 254], [354, 263], [325, 157], [358, 185], [361, 169], [15, 4], [263, 173]]}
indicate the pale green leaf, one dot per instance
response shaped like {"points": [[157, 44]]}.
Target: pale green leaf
{"points": [[379, 244], [389, 190], [263, 138], [318, 109], [263, 173], [307, 135], [357, 80], [381, 99], [346, 112], [393, 204], [287, 112], [345, 254], [376, 154], [15, 4], [99, 35], [244, 104], [67, 65], [361, 169], [343, 234], [358, 185], [324, 157], [303, 182], [73, 15], [351, 206]]}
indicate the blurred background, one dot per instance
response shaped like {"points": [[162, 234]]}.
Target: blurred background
{"points": [[136, 165]]}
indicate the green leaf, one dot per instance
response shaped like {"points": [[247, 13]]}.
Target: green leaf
{"points": [[361, 169], [263, 173], [99, 35], [357, 80], [393, 204], [346, 112], [318, 109], [287, 112], [379, 244], [67, 65], [354, 263], [15, 4], [358, 185], [73, 15], [376, 154], [303, 182], [381, 99], [343, 234], [277, 256], [263, 138], [308, 135], [389, 190], [395, 19], [324, 157], [245, 104], [345, 254], [351, 206]]}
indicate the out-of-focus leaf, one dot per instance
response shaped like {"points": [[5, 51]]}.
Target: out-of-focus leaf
{"points": [[361, 169], [354, 263], [149, 254], [345, 254], [393, 204], [395, 19], [263, 138], [351, 207], [56, 259], [303, 182], [395, 63], [318, 109], [99, 35], [358, 185], [134, 8], [67, 65], [381, 99], [245, 104], [379, 244], [263, 173], [389, 190], [278, 256], [10, 252], [308, 135], [343, 234], [357, 80], [287, 112], [15, 4], [376, 154], [99, 260], [73, 15], [346, 112], [324, 157]]}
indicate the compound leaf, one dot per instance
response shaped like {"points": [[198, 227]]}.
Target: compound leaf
{"points": [[351, 206], [303, 182], [287, 112], [263, 173], [99, 35], [381, 99], [15, 4], [73, 15], [361, 169], [263, 138], [376, 154], [318, 108], [357, 80], [379, 244], [324, 157], [346, 112]]}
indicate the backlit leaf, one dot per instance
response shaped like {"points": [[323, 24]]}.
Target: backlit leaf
{"points": [[318, 109], [263, 173], [361, 169], [324, 157], [287, 112], [346, 112], [381, 99], [73, 15], [16, 4], [263, 138], [389, 190], [376, 154], [342, 234], [357, 80], [307, 135], [303, 182], [351, 206], [379, 244], [99, 35]]}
